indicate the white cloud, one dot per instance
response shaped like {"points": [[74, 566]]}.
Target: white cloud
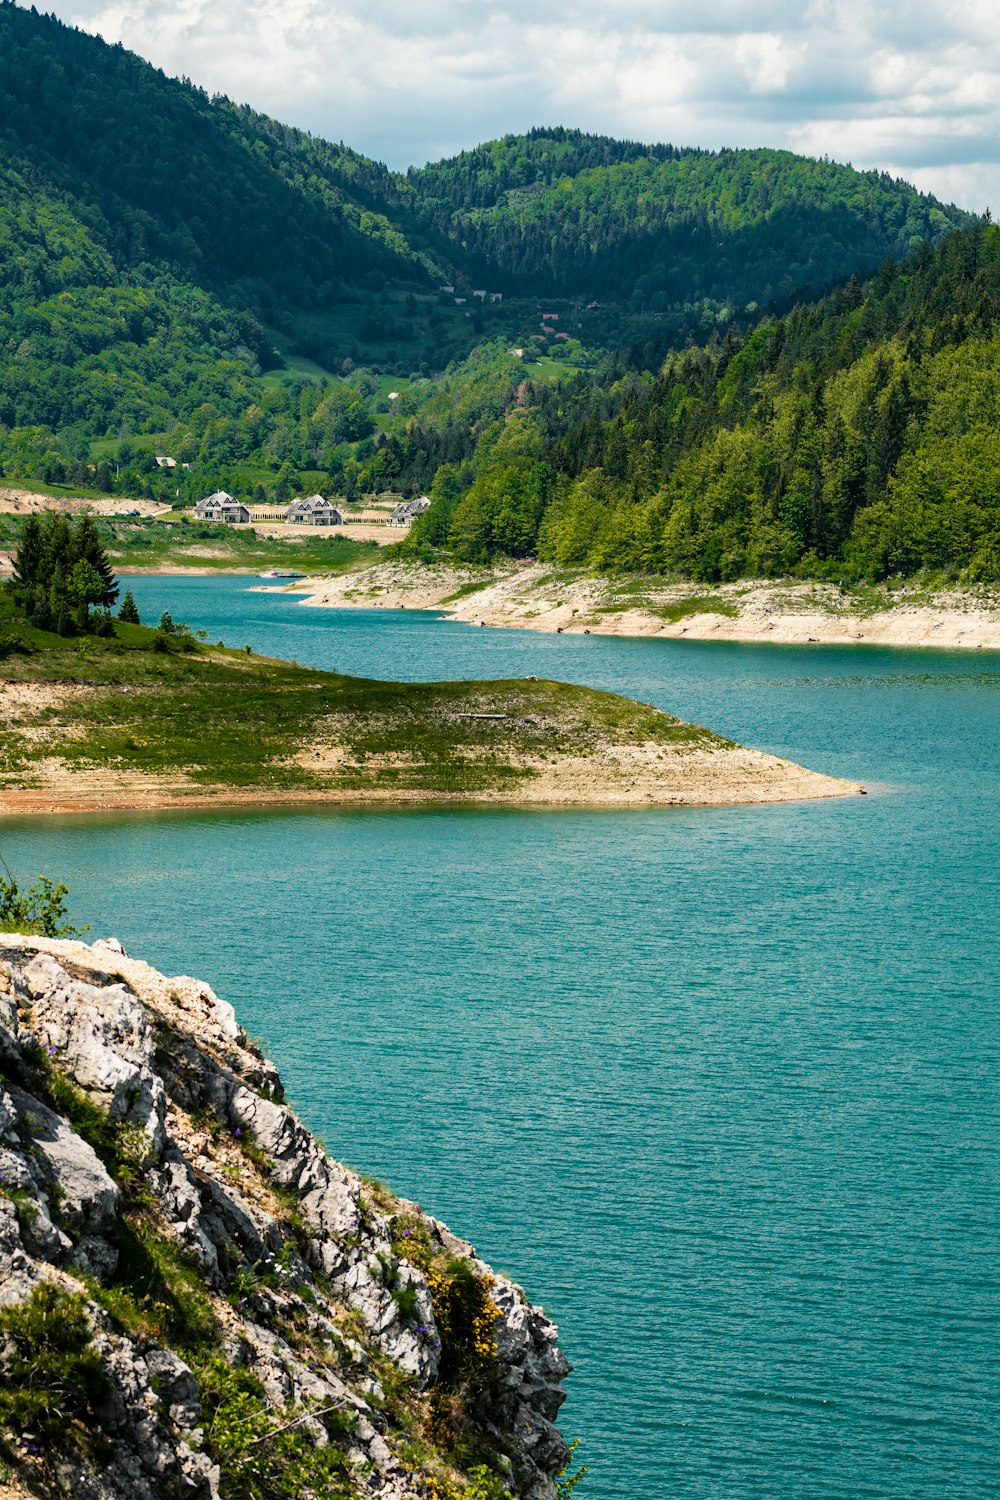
{"points": [[912, 88]]}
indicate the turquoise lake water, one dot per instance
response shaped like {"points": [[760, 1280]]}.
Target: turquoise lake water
{"points": [[718, 1086]]}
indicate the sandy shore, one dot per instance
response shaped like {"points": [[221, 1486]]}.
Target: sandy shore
{"points": [[533, 597]]}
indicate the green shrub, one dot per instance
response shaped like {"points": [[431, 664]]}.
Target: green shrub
{"points": [[51, 1373], [566, 1482], [244, 1284], [9, 644], [483, 1485], [405, 1298], [41, 909]]}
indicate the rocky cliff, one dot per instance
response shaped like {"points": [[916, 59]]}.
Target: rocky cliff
{"points": [[195, 1300]]}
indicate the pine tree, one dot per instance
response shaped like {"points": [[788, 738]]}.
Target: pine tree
{"points": [[129, 613], [29, 553], [89, 549]]}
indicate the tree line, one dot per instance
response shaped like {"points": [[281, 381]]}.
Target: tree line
{"points": [[61, 572], [857, 438]]}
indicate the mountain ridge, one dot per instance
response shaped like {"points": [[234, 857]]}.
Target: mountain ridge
{"points": [[276, 216], [589, 207]]}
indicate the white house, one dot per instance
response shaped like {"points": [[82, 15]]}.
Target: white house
{"points": [[404, 514], [222, 507], [314, 510]]}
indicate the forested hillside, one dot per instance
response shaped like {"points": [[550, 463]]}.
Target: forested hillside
{"points": [[179, 274], [159, 174], [114, 176], [856, 438], [567, 214]]}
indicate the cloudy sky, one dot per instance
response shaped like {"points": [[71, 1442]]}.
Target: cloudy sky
{"points": [[912, 87]]}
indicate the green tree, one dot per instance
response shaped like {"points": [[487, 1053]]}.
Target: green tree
{"points": [[84, 587], [129, 612]]}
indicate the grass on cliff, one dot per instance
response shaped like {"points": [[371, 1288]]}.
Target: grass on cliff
{"points": [[225, 718], [53, 1376]]}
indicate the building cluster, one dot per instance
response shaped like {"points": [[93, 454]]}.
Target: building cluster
{"points": [[313, 510], [448, 290]]}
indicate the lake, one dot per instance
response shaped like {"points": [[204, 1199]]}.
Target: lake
{"points": [[718, 1086]]}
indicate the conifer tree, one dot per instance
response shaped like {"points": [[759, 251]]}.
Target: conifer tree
{"points": [[29, 553], [90, 550], [129, 613]]}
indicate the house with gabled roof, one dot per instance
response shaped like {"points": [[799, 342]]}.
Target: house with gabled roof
{"points": [[404, 514], [314, 510], [222, 507]]}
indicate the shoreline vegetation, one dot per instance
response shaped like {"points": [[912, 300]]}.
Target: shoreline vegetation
{"points": [[533, 596], [98, 711], [344, 569]]}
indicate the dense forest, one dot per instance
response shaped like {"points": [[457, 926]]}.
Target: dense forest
{"points": [[658, 387], [566, 214], [156, 173], [856, 438], [114, 176]]}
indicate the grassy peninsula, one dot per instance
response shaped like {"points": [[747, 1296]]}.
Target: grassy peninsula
{"points": [[102, 711]]}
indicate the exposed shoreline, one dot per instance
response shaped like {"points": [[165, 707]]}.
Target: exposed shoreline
{"points": [[788, 612], [722, 777], [503, 755]]}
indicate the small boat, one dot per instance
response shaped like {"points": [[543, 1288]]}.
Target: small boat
{"points": [[284, 573]]}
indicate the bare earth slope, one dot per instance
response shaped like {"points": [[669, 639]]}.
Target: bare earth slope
{"points": [[248, 1317]]}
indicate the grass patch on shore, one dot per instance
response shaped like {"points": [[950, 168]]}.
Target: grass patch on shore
{"points": [[140, 543], [219, 718], [147, 542], [467, 589], [700, 604]]}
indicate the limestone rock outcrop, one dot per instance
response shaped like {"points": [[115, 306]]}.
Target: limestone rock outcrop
{"points": [[231, 1272]]}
